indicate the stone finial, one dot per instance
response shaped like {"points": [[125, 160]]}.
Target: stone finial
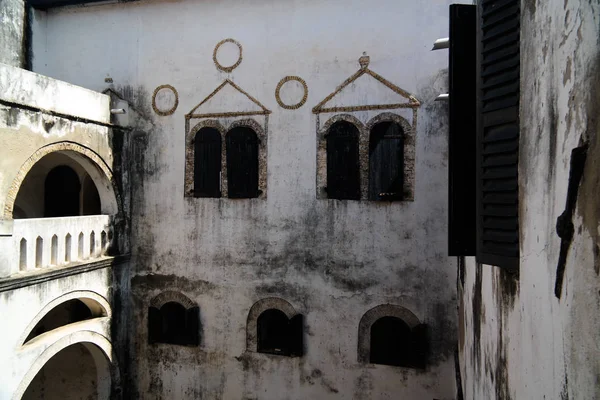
{"points": [[364, 60]]}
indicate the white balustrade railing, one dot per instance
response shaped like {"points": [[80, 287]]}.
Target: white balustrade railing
{"points": [[38, 243]]}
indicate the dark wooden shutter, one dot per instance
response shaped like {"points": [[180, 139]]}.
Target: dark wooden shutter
{"points": [[207, 163], [192, 326], [462, 141], [242, 163], [343, 170], [498, 134], [154, 325], [386, 162], [420, 346], [296, 336]]}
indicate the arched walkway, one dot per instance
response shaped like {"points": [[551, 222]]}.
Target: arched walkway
{"points": [[26, 194], [76, 366]]}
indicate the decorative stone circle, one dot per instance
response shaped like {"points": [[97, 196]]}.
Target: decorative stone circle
{"points": [[231, 67], [175, 104], [280, 85]]}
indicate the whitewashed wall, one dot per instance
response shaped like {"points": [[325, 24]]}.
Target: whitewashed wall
{"points": [[518, 341], [332, 260]]}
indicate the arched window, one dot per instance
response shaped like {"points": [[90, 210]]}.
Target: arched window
{"points": [[242, 163], [174, 324], [61, 192], [207, 163], [343, 170], [276, 334], [386, 162], [393, 342]]}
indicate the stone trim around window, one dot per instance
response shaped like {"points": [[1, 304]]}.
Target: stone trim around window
{"points": [[363, 148], [224, 127], [257, 309], [369, 318]]}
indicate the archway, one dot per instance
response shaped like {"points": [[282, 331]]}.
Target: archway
{"points": [[101, 363], [79, 371], [97, 192]]}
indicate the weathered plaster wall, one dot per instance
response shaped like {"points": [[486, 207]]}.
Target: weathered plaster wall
{"points": [[22, 308], [516, 339], [12, 32], [332, 260]]}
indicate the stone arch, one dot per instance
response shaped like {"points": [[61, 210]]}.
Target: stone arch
{"points": [[97, 304], [256, 310], [101, 351], [375, 313], [388, 116], [95, 166], [342, 117], [171, 296]]}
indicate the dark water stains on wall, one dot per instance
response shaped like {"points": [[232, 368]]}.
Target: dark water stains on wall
{"points": [[589, 203], [153, 282]]}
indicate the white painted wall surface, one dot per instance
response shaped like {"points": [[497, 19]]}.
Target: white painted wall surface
{"points": [[27, 88], [532, 345], [21, 308], [333, 260]]}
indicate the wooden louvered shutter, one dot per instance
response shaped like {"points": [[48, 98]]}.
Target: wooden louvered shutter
{"points": [[192, 326], [343, 171], [420, 346], [242, 163], [296, 336], [207, 163], [498, 133], [386, 162], [154, 325]]}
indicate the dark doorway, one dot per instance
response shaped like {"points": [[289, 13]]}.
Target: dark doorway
{"points": [[61, 192]]}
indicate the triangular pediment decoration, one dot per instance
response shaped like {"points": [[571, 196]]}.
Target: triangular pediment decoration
{"points": [[219, 103], [336, 101]]}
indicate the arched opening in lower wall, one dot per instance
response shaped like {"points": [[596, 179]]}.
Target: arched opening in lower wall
{"points": [[79, 371]]}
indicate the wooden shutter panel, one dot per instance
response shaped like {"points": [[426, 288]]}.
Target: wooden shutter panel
{"points": [[498, 133], [386, 162], [296, 336], [154, 325], [242, 163], [343, 171], [192, 325], [462, 140], [207, 163], [420, 346]]}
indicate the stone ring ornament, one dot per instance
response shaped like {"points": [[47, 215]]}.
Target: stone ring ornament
{"points": [[231, 67], [175, 104], [280, 85]]}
